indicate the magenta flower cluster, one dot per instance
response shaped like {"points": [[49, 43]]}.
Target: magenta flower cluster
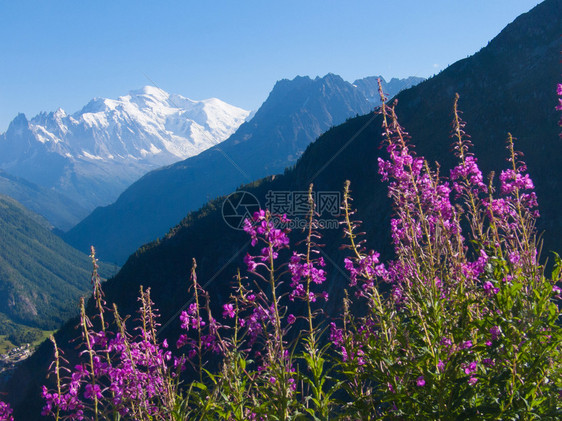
{"points": [[121, 373], [461, 323], [440, 284], [276, 239], [5, 412]]}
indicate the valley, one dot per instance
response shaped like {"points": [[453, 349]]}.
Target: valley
{"points": [[153, 181]]}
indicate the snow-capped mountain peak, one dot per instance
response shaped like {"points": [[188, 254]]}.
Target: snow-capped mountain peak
{"points": [[127, 137], [152, 91]]}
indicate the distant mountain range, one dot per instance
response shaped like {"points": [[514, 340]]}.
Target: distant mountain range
{"points": [[295, 113], [370, 89], [92, 155], [41, 277], [510, 85], [61, 211]]}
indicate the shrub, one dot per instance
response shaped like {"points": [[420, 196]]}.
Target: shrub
{"points": [[461, 324]]}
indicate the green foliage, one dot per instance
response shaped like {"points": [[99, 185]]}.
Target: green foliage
{"points": [[467, 332], [27, 336], [14, 334], [41, 277], [506, 86]]}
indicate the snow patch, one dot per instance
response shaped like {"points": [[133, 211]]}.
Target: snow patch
{"points": [[88, 155]]}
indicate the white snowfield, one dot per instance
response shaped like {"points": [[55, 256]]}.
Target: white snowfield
{"points": [[147, 124], [94, 154]]}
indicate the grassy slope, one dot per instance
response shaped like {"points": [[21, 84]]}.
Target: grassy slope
{"points": [[41, 277], [510, 85]]}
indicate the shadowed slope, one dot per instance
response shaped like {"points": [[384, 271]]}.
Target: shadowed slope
{"points": [[509, 85]]}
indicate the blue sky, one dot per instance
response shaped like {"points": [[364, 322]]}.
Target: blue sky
{"points": [[63, 53]]}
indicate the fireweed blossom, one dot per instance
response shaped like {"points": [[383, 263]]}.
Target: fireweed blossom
{"points": [[121, 373], [461, 322], [264, 318], [267, 318], [5, 412], [456, 241], [302, 271], [228, 311], [305, 268]]}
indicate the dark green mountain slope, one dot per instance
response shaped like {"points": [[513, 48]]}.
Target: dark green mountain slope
{"points": [[508, 86], [41, 277], [295, 113]]}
